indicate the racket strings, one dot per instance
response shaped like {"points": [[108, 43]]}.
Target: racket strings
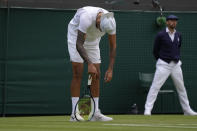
{"points": [[85, 108]]}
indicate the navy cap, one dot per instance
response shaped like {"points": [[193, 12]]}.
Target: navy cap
{"points": [[172, 17]]}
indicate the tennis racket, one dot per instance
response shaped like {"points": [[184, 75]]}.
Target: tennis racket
{"points": [[85, 107]]}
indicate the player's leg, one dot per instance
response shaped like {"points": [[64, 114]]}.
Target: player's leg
{"points": [[95, 90], [161, 74], [98, 116], [177, 77], [94, 55], [77, 71]]}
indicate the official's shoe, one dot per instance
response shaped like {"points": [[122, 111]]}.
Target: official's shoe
{"points": [[190, 113], [73, 119], [98, 116], [147, 112]]}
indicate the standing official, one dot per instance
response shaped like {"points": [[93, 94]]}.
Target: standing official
{"points": [[167, 52], [84, 33]]}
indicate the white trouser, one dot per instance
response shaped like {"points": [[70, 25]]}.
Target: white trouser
{"points": [[163, 70]]}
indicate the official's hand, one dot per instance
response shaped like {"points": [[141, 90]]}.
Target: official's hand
{"points": [[108, 75], [92, 70]]}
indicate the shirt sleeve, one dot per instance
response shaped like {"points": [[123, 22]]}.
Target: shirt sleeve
{"points": [[85, 22], [180, 36], [113, 32], [156, 47]]}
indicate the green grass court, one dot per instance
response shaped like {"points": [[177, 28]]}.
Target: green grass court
{"points": [[120, 123]]}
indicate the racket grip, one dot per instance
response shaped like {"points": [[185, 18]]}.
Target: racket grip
{"points": [[89, 80]]}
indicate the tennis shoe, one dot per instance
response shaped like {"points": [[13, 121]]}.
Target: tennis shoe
{"points": [[73, 119], [98, 116]]}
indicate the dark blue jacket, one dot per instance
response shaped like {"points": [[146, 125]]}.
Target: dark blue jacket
{"points": [[165, 49]]}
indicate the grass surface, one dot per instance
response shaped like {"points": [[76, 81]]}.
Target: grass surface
{"points": [[120, 123]]}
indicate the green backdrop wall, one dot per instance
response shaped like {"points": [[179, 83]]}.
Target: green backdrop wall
{"points": [[35, 71]]}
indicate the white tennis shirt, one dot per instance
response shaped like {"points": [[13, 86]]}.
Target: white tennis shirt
{"points": [[85, 21]]}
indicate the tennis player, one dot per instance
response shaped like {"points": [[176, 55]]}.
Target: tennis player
{"points": [[85, 30], [167, 53]]}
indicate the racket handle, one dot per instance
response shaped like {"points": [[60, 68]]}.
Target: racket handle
{"points": [[89, 80]]}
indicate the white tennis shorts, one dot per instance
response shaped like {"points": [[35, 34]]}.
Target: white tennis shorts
{"points": [[93, 54]]}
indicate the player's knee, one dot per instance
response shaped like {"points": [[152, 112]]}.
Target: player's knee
{"points": [[77, 72], [77, 75], [98, 75]]}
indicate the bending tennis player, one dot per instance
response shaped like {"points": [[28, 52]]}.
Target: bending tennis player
{"points": [[85, 30]]}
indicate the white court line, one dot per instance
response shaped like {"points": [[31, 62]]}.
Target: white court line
{"points": [[155, 125], [187, 124]]}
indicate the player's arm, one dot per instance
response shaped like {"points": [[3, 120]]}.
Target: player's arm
{"points": [[84, 24], [82, 52], [112, 55], [79, 45]]}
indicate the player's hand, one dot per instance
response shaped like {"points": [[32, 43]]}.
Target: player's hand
{"points": [[92, 70], [108, 75]]}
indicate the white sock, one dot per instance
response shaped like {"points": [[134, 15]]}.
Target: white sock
{"points": [[96, 100], [74, 102]]}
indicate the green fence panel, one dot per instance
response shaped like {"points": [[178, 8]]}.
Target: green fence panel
{"points": [[3, 19], [38, 66]]}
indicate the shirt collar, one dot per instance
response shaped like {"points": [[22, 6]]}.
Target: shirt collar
{"points": [[168, 31]]}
